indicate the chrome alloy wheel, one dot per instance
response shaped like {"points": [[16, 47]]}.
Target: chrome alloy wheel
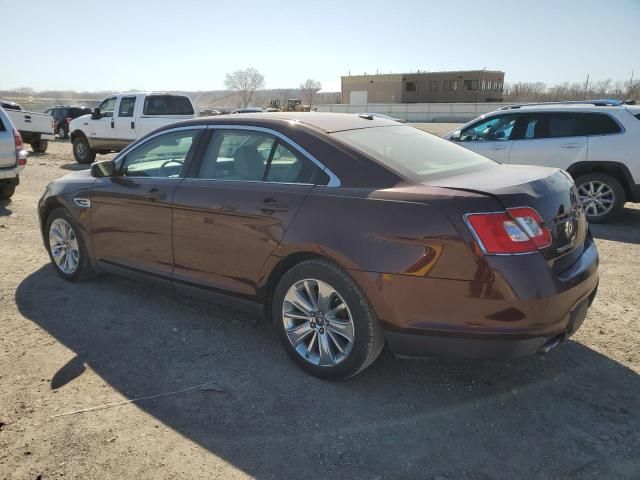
{"points": [[318, 322], [64, 246], [596, 197]]}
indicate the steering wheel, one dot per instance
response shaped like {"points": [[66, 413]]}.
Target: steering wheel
{"points": [[173, 160]]}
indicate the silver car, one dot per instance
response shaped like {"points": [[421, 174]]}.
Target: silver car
{"points": [[13, 157]]}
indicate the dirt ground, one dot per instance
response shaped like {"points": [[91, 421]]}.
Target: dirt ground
{"points": [[66, 347]]}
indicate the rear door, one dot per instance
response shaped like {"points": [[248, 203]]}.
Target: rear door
{"points": [[131, 212], [233, 211], [549, 139], [491, 136], [125, 125]]}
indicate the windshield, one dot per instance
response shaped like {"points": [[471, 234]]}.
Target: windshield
{"points": [[414, 153]]}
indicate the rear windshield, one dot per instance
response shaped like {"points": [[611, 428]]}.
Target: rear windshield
{"points": [[167, 105], [414, 153]]}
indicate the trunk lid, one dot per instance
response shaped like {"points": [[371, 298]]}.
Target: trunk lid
{"points": [[549, 191]]}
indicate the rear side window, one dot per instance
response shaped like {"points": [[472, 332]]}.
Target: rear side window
{"points": [[126, 106], [598, 124], [167, 105]]}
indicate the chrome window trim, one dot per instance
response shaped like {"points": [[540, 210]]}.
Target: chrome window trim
{"points": [[334, 181]]}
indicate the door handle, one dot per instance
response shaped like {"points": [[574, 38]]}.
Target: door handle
{"points": [[570, 145], [133, 125], [498, 147], [154, 195], [112, 124], [271, 207]]}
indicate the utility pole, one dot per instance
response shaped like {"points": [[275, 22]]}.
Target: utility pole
{"points": [[586, 86], [630, 87]]}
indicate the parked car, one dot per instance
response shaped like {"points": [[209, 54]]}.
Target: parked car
{"points": [[347, 232], [36, 129], [120, 119], [62, 116], [597, 142], [13, 156]]}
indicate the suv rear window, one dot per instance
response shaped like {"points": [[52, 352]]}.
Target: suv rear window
{"points": [[167, 105]]}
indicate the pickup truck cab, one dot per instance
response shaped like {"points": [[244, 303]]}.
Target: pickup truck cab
{"points": [[35, 129], [120, 119]]}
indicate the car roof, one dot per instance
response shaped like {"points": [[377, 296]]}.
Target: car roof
{"points": [[325, 121], [561, 107]]}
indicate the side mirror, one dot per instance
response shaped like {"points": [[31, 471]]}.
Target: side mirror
{"points": [[96, 114], [456, 136], [105, 168]]}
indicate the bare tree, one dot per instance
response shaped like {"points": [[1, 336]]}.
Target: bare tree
{"points": [[245, 83], [308, 89]]}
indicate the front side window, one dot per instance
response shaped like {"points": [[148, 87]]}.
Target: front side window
{"points": [[414, 153], [126, 106], [167, 105], [497, 128], [255, 156], [107, 107], [160, 157]]}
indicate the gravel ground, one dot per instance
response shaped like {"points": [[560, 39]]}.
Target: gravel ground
{"points": [[68, 347]]}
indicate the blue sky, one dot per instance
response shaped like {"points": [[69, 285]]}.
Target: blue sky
{"points": [[190, 45]]}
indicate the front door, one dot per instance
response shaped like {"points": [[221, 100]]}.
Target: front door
{"points": [[101, 131], [131, 212], [490, 137], [554, 139], [234, 211]]}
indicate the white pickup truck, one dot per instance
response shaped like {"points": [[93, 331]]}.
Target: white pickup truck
{"points": [[123, 118], [35, 129]]}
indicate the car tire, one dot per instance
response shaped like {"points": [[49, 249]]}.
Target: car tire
{"points": [[7, 191], [602, 196], [82, 151], [59, 242], [62, 132], [304, 335], [40, 146]]}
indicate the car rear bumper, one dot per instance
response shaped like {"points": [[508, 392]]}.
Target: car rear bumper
{"points": [[426, 344], [525, 307]]}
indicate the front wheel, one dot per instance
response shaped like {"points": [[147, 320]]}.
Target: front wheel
{"points": [[66, 247], [82, 151], [325, 322], [40, 146], [601, 195]]}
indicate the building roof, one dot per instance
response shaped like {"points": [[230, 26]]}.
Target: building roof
{"points": [[453, 72]]}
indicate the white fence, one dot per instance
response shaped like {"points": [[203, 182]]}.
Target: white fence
{"points": [[419, 112]]}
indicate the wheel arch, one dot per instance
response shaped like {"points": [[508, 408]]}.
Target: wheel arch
{"points": [[76, 134], [616, 169]]}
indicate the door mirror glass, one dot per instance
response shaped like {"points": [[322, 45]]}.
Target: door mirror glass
{"points": [[105, 168], [96, 115]]}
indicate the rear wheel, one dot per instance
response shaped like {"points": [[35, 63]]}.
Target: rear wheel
{"points": [[82, 152], [40, 146], [601, 195], [7, 191], [325, 322], [62, 133], [66, 247]]}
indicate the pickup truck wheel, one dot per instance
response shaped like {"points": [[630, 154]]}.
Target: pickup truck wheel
{"points": [[62, 133], [82, 152], [40, 146], [601, 195], [7, 191]]}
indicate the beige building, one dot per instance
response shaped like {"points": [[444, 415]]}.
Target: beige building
{"points": [[424, 87]]}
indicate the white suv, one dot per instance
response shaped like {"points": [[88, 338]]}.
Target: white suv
{"points": [[597, 142]]}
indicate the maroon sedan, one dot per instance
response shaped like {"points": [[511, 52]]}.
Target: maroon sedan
{"points": [[347, 231]]}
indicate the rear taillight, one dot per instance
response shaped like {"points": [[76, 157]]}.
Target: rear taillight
{"points": [[518, 230], [69, 119], [21, 159]]}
